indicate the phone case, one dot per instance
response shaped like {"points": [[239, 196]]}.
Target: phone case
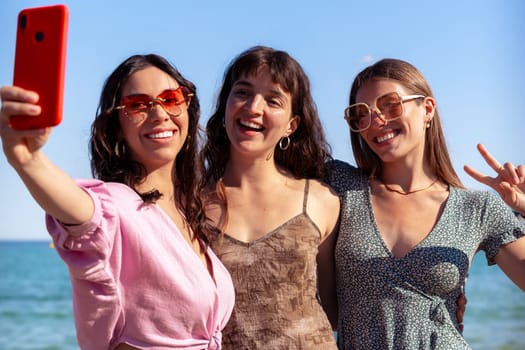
{"points": [[40, 59]]}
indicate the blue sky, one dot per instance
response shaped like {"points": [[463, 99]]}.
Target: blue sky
{"points": [[472, 53]]}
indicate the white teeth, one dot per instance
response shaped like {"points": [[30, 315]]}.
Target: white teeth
{"points": [[249, 124], [161, 135], [383, 138]]}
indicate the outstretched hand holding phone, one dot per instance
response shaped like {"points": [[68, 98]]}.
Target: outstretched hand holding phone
{"points": [[33, 106]]}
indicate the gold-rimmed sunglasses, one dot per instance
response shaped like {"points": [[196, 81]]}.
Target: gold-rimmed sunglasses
{"points": [[388, 107]]}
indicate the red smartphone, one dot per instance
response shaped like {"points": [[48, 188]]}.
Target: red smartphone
{"points": [[40, 60]]}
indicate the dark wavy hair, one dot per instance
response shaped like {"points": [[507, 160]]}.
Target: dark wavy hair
{"points": [[435, 145], [308, 153], [109, 160]]}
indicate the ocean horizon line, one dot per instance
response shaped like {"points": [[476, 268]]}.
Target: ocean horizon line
{"points": [[27, 240]]}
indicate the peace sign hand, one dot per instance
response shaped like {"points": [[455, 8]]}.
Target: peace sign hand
{"points": [[509, 183]]}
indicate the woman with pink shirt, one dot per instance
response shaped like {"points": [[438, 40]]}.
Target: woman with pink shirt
{"points": [[134, 238]]}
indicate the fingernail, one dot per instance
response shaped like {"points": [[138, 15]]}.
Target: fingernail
{"points": [[35, 109], [33, 96]]}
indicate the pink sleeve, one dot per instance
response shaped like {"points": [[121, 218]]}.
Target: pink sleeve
{"points": [[92, 252], [85, 248]]}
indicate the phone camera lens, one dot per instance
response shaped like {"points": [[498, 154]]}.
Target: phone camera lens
{"points": [[23, 21], [39, 36]]}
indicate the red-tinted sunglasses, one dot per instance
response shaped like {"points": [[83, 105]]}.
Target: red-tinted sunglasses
{"points": [[136, 107]]}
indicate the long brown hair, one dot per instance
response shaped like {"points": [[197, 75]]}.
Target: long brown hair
{"points": [[435, 145], [308, 152], [111, 162]]}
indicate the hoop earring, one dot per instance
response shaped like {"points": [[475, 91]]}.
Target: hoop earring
{"points": [[284, 143], [120, 149]]}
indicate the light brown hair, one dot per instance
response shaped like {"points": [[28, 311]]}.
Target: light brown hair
{"points": [[435, 146]]}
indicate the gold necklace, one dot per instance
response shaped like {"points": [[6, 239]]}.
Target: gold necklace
{"points": [[408, 192]]}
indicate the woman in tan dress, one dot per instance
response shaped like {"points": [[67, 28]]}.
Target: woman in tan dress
{"points": [[266, 154]]}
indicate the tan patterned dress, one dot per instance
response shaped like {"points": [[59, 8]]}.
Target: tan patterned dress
{"points": [[276, 305]]}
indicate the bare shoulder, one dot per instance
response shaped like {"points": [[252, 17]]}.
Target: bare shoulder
{"points": [[322, 192], [323, 206]]}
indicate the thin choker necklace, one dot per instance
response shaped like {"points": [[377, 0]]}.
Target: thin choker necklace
{"points": [[408, 192]]}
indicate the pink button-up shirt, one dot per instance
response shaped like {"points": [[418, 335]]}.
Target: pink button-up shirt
{"points": [[136, 280]]}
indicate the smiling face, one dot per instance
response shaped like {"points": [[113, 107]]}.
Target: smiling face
{"points": [[156, 140], [258, 114], [400, 138]]}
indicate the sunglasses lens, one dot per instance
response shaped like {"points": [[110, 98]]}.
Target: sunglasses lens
{"points": [[172, 99], [390, 105], [358, 116], [135, 103]]}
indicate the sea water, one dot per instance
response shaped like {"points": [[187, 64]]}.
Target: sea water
{"points": [[36, 310], [35, 298]]}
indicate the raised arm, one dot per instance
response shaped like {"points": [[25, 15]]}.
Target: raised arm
{"points": [[53, 189], [510, 184]]}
